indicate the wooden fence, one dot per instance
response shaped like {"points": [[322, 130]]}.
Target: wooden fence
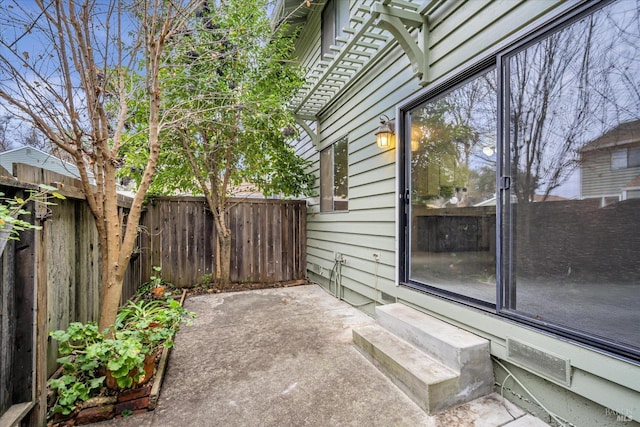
{"points": [[268, 241], [17, 317], [57, 269]]}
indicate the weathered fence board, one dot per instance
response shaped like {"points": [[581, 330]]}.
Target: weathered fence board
{"points": [[60, 267], [17, 295], [70, 243], [25, 273], [7, 325], [179, 236]]}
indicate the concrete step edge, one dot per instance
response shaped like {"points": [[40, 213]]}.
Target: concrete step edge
{"points": [[429, 383], [444, 342], [460, 350]]}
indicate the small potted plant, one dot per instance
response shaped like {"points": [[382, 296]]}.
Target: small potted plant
{"points": [[158, 286]]}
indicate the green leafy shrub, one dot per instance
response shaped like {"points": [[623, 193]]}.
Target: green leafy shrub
{"points": [[152, 323], [141, 329], [80, 374]]}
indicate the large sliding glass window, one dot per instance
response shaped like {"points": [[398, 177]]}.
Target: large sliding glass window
{"points": [[557, 126], [573, 117], [452, 189]]}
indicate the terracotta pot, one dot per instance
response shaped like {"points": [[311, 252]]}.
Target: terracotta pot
{"points": [[158, 291], [149, 366]]}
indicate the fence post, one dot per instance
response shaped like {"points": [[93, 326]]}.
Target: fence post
{"points": [[39, 412]]}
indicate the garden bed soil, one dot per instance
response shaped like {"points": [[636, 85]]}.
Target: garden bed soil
{"points": [[118, 403], [238, 287]]}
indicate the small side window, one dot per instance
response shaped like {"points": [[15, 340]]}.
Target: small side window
{"points": [[335, 16], [619, 159], [334, 177]]}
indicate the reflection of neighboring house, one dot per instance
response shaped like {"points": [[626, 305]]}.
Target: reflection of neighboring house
{"points": [[610, 164], [35, 157]]}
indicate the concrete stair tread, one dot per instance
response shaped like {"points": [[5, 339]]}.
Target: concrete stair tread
{"points": [[447, 333], [459, 349], [435, 363], [426, 381], [418, 363]]}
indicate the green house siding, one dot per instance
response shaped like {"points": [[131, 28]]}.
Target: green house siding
{"points": [[595, 166], [465, 32], [462, 33]]}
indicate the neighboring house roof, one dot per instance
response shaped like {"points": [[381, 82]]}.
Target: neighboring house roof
{"points": [[624, 133], [245, 190], [35, 157], [295, 12]]}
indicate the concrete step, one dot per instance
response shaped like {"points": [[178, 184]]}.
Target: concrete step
{"points": [[426, 381], [460, 350]]}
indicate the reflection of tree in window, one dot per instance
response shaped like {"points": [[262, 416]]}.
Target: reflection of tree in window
{"points": [[334, 177], [451, 137], [566, 90], [453, 175], [434, 164], [573, 109], [482, 184], [341, 175]]}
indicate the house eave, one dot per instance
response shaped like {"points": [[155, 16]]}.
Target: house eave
{"points": [[373, 30], [292, 12]]}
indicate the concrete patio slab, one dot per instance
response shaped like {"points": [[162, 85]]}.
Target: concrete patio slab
{"points": [[527, 421], [284, 357]]}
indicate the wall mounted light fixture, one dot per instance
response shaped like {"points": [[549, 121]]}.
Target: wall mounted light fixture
{"points": [[385, 134]]}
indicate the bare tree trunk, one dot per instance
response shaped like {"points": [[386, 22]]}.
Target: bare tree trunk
{"points": [[223, 234], [224, 258], [86, 107]]}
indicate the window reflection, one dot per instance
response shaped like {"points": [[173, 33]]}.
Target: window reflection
{"points": [[334, 177], [453, 200], [570, 232], [574, 114]]}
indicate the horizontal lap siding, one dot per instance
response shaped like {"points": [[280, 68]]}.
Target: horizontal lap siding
{"points": [[598, 179], [463, 34], [369, 225], [461, 31], [477, 27]]}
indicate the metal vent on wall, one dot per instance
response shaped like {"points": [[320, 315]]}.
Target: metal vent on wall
{"points": [[550, 366]]}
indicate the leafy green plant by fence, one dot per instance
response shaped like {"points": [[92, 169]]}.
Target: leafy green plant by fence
{"points": [[11, 208], [152, 323], [86, 355]]}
